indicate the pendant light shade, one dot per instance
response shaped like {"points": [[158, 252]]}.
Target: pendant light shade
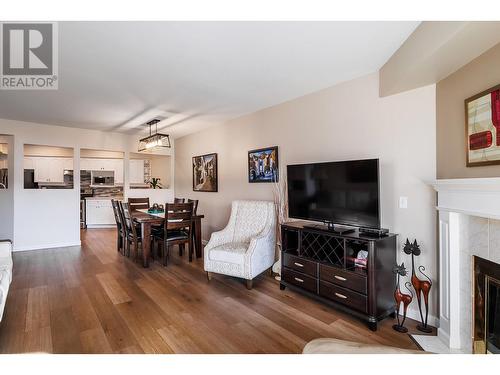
{"points": [[154, 140]]}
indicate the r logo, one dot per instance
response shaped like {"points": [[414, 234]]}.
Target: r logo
{"points": [[27, 49]]}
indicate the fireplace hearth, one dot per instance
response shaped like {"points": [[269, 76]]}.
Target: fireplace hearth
{"points": [[486, 307]]}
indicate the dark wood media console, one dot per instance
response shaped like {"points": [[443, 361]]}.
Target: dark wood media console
{"points": [[323, 264]]}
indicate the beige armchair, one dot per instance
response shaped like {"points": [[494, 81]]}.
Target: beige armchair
{"points": [[246, 246]]}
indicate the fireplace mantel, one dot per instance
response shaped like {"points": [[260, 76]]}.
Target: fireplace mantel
{"points": [[478, 197], [469, 196]]}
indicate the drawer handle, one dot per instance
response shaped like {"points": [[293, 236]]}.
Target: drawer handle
{"points": [[298, 264], [340, 278], [341, 296], [299, 280]]}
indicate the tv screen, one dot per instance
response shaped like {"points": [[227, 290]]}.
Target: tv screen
{"points": [[345, 192]]}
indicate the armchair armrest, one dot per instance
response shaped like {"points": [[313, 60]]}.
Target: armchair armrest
{"points": [[262, 241], [218, 238]]}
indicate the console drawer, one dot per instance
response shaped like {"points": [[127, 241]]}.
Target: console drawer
{"points": [[344, 296], [298, 279], [343, 278], [300, 264]]}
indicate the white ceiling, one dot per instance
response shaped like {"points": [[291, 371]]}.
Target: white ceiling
{"points": [[117, 75]]}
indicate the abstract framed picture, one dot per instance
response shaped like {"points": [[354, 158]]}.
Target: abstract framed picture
{"points": [[482, 128], [205, 173], [263, 165]]}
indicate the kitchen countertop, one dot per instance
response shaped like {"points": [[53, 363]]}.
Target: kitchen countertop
{"points": [[104, 198]]}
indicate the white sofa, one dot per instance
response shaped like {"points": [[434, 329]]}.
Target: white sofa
{"points": [[246, 246], [5, 272], [336, 346]]}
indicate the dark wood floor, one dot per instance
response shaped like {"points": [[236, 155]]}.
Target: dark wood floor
{"points": [[93, 300]]}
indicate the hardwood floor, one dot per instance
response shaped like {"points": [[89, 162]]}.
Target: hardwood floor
{"points": [[94, 300]]}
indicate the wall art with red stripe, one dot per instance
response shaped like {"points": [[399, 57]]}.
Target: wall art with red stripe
{"points": [[482, 128]]}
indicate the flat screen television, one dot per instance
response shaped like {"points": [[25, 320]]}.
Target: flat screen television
{"points": [[343, 192]]}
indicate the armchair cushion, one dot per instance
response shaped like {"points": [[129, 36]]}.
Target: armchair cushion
{"points": [[230, 253]]}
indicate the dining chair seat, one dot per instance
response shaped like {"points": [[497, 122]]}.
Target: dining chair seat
{"points": [[172, 235]]}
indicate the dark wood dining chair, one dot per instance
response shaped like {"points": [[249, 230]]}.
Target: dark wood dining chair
{"points": [[138, 203], [178, 200], [177, 229], [120, 238], [132, 231], [195, 205]]}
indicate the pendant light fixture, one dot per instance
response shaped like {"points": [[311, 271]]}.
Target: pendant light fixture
{"points": [[153, 141]]}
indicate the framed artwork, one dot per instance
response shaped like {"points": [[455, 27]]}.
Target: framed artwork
{"points": [[263, 165], [482, 128], [205, 173]]}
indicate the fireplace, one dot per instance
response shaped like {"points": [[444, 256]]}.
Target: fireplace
{"points": [[486, 307]]}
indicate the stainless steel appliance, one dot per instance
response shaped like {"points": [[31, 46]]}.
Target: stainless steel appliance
{"points": [[103, 178]]}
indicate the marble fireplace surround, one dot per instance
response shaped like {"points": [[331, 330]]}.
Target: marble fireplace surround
{"points": [[469, 224]]}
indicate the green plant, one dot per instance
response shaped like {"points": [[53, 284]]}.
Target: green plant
{"points": [[155, 183]]}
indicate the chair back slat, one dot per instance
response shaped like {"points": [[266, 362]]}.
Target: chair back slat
{"points": [[138, 203], [178, 215], [116, 212], [178, 200], [195, 205], [128, 219]]}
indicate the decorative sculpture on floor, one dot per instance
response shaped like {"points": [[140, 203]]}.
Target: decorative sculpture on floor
{"points": [[420, 286], [401, 298]]}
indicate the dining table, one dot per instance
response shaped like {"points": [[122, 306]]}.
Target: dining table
{"points": [[147, 220]]}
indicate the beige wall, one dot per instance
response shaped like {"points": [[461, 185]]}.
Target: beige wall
{"points": [[348, 121], [479, 75]]}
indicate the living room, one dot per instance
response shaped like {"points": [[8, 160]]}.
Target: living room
{"points": [[263, 187]]}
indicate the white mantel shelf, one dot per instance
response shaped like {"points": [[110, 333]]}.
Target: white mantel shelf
{"points": [[470, 196]]}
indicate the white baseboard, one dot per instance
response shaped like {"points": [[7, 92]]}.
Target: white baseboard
{"points": [[46, 246]]}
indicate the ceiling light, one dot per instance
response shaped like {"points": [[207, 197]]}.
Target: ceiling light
{"points": [[155, 140]]}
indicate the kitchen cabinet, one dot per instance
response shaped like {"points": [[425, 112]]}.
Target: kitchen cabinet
{"points": [[136, 171], [118, 169], [99, 212], [48, 169], [115, 165], [88, 164], [29, 163]]}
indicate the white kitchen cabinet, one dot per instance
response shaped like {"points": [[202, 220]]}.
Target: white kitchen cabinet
{"points": [[136, 171], [115, 165], [99, 212], [85, 164], [29, 163], [118, 169], [48, 169], [67, 164], [97, 164]]}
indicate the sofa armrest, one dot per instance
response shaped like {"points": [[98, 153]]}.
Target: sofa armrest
{"points": [[5, 248]]}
